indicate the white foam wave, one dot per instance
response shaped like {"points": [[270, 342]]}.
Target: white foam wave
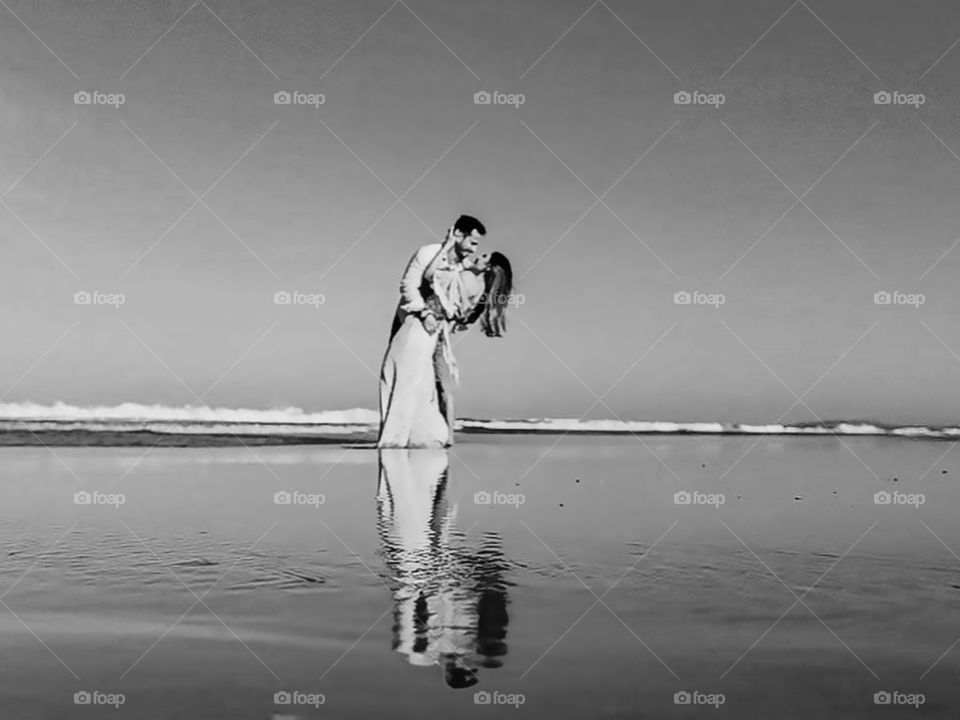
{"points": [[135, 412], [294, 421], [564, 425]]}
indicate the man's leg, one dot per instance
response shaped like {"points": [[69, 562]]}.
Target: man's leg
{"points": [[444, 389], [397, 322]]}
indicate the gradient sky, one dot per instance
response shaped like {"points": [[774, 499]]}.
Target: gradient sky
{"points": [[312, 204]]}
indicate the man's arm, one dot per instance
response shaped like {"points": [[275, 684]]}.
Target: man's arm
{"points": [[411, 300]]}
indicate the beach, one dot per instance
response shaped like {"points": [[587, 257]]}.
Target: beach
{"points": [[602, 593], [679, 278]]}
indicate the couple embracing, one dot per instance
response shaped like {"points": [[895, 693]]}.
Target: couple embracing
{"points": [[446, 288]]}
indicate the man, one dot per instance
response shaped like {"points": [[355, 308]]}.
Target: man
{"points": [[466, 233], [416, 407]]}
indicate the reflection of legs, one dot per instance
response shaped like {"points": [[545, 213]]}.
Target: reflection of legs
{"points": [[492, 615], [412, 509], [444, 386]]}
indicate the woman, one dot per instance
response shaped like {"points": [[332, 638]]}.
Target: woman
{"points": [[416, 405]]}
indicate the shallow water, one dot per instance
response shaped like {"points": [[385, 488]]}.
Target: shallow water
{"points": [[597, 596]]}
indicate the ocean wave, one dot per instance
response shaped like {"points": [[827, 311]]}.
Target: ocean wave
{"points": [[646, 427], [189, 414], [294, 422]]}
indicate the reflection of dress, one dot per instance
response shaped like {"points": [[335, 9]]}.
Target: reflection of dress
{"points": [[450, 603], [416, 405]]}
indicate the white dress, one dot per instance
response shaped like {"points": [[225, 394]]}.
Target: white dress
{"points": [[416, 404]]}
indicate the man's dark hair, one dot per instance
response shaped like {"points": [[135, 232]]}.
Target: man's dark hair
{"points": [[466, 224]]}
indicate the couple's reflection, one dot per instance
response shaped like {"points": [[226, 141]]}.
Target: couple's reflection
{"points": [[450, 599]]}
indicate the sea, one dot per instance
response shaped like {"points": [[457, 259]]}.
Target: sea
{"points": [[198, 563]]}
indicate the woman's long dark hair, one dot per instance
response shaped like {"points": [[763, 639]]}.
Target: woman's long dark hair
{"points": [[497, 294]]}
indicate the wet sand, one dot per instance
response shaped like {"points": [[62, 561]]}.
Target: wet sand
{"points": [[310, 597]]}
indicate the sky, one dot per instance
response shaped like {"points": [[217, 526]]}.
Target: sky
{"points": [[782, 210]]}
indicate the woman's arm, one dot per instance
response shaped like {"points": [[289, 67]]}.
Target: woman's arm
{"points": [[471, 317]]}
